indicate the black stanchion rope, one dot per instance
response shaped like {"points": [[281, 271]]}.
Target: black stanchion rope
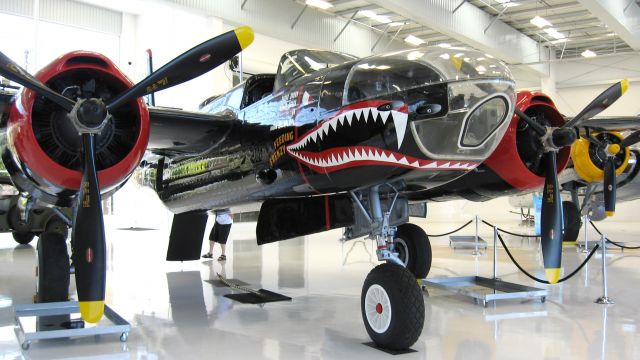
{"points": [[545, 281], [613, 242], [451, 232]]}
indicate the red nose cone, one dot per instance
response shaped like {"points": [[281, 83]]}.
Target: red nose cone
{"points": [[379, 308]]}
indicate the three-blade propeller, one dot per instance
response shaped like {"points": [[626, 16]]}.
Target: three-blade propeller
{"points": [[89, 117], [555, 139]]}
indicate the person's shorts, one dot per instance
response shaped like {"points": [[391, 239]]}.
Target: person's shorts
{"points": [[220, 233]]}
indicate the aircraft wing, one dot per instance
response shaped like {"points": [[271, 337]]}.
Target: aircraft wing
{"points": [[177, 132]]}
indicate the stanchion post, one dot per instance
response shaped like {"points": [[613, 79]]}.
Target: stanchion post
{"points": [[604, 299], [475, 251], [495, 253], [585, 220]]}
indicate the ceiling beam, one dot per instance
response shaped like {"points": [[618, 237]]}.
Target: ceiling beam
{"points": [[620, 15], [467, 25]]}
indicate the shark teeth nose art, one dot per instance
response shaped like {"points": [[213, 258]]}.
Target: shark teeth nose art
{"points": [[366, 115], [335, 156], [346, 157]]}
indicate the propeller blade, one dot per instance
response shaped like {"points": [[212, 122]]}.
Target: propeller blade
{"points": [[610, 186], [600, 103], [633, 138], [551, 224], [190, 64], [14, 72], [88, 239]]}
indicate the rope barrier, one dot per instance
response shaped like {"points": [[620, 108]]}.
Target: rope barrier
{"points": [[451, 232], [593, 251], [611, 241], [508, 232], [545, 281]]}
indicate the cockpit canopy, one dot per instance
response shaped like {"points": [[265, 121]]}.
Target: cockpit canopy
{"points": [[297, 63]]}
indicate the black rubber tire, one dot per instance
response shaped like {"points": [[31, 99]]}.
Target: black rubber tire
{"points": [[53, 268], [57, 225], [23, 237], [572, 221], [406, 302], [411, 240]]}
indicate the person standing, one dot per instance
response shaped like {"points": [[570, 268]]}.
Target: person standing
{"points": [[220, 233]]}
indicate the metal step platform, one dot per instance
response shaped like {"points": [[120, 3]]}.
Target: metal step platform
{"points": [[43, 321], [483, 289], [467, 242]]}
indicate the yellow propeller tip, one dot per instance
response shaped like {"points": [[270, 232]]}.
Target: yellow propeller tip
{"points": [[244, 35], [553, 275], [624, 84], [91, 311], [609, 213]]}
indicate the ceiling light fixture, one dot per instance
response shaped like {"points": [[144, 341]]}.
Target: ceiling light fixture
{"points": [[507, 3], [588, 53], [554, 33], [414, 40], [379, 18], [540, 22], [444, 45], [321, 4]]}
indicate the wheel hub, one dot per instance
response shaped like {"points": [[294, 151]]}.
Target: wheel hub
{"points": [[378, 308]]}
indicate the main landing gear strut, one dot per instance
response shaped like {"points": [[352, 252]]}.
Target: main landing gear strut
{"points": [[391, 302]]}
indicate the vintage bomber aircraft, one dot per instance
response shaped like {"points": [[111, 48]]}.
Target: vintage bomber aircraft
{"points": [[329, 141]]}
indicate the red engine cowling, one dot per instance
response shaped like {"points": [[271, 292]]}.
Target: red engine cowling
{"points": [[45, 150], [518, 158]]}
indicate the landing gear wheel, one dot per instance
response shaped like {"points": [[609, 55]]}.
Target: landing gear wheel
{"points": [[572, 221], [53, 268], [414, 249], [392, 307], [23, 238]]}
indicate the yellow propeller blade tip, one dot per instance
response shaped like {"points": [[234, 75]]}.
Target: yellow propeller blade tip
{"points": [[553, 275], [609, 213], [624, 85], [91, 311], [244, 35]]}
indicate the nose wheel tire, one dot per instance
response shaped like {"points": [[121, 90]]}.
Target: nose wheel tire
{"points": [[392, 307], [414, 249]]}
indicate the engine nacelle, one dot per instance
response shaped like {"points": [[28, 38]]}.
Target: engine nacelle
{"points": [[518, 159], [44, 155], [588, 159]]}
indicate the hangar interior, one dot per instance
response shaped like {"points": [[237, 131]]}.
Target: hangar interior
{"points": [[179, 309]]}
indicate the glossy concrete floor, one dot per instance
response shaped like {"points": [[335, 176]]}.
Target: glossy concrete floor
{"points": [[177, 313]]}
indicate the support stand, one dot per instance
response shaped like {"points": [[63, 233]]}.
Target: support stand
{"points": [[474, 242], [585, 221], [25, 335], [604, 299], [482, 289], [476, 252]]}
